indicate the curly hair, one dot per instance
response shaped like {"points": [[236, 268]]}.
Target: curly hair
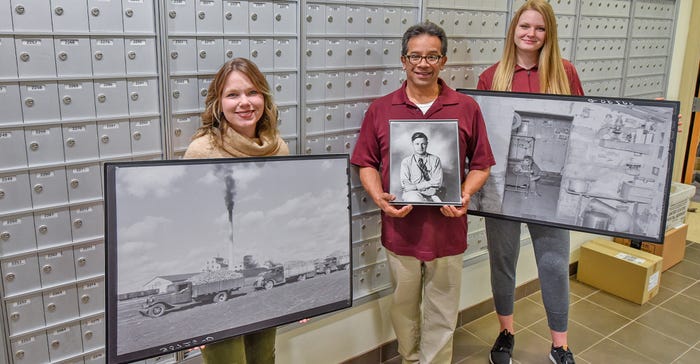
{"points": [[213, 120]]}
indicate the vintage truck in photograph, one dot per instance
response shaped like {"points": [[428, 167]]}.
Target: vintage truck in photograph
{"points": [[333, 263], [216, 286], [284, 273]]}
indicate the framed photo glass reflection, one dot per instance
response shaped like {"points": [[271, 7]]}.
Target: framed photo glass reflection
{"points": [[201, 250], [594, 164], [424, 162]]}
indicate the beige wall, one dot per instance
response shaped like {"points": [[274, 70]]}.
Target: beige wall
{"points": [[349, 333], [684, 72]]}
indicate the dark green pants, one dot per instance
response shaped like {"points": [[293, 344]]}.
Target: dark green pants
{"points": [[255, 348]]}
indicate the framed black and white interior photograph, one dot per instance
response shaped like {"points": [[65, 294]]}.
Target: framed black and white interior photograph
{"points": [[202, 250], [594, 164], [424, 162]]}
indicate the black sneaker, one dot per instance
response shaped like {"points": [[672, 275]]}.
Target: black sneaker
{"points": [[502, 349], [561, 355]]}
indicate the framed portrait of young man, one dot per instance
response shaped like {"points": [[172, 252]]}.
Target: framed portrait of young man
{"points": [[424, 162]]}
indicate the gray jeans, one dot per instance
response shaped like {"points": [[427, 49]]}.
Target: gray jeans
{"points": [[552, 247]]}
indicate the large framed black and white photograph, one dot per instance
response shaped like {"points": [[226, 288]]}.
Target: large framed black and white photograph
{"points": [[594, 164], [424, 162], [202, 250]]}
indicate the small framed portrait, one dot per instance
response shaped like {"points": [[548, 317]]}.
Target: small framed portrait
{"points": [[424, 162]]}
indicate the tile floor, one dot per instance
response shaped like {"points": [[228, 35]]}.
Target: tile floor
{"points": [[604, 328]]}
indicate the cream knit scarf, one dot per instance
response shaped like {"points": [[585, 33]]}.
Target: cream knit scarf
{"points": [[238, 145]]}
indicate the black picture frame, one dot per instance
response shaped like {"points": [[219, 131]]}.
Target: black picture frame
{"points": [[601, 164], [442, 156], [202, 250]]}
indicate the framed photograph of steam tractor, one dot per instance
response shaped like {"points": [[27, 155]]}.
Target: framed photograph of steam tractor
{"points": [[424, 162], [203, 250], [594, 164]]}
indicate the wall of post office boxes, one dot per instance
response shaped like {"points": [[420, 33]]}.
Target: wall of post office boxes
{"points": [[83, 82]]}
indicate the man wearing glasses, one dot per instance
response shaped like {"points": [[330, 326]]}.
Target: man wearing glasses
{"points": [[424, 243]]}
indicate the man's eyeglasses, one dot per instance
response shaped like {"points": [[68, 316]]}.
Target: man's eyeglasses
{"points": [[415, 59]]}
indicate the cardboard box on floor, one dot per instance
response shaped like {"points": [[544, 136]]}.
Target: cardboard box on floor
{"points": [[672, 250], [620, 270]]}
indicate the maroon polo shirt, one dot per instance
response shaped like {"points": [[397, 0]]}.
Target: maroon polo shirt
{"points": [[424, 233], [529, 80]]}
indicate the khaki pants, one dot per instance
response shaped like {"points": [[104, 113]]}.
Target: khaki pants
{"points": [[425, 336], [254, 348]]}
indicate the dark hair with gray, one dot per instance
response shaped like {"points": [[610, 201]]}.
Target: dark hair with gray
{"points": [[417, 135], [425, 27]]}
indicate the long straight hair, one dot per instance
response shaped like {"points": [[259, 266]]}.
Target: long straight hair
{"points": [[553, 78]]}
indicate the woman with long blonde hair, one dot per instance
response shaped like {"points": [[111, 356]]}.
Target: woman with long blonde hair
{"points": [[531, 63], [538, 52]]}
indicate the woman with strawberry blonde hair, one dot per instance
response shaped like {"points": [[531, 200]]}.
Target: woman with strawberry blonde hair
{"points": [[531, 63], [239, 120]]}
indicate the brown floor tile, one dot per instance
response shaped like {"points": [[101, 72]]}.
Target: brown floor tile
{"points": [[691, 357], [674, 281], [692, 253], [487, 328], [541, 328], [618, 305], [596, 318], [663, 295], [579, 337], [580, 289], [693, 291], [688, 269], [527, 312], [603, 328], [481, 358], [608, 351], [684, 306], [478, 359], [531, 348], [671, 324], [396, 360], [467, 345], [537, 298], [649, 342]]}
